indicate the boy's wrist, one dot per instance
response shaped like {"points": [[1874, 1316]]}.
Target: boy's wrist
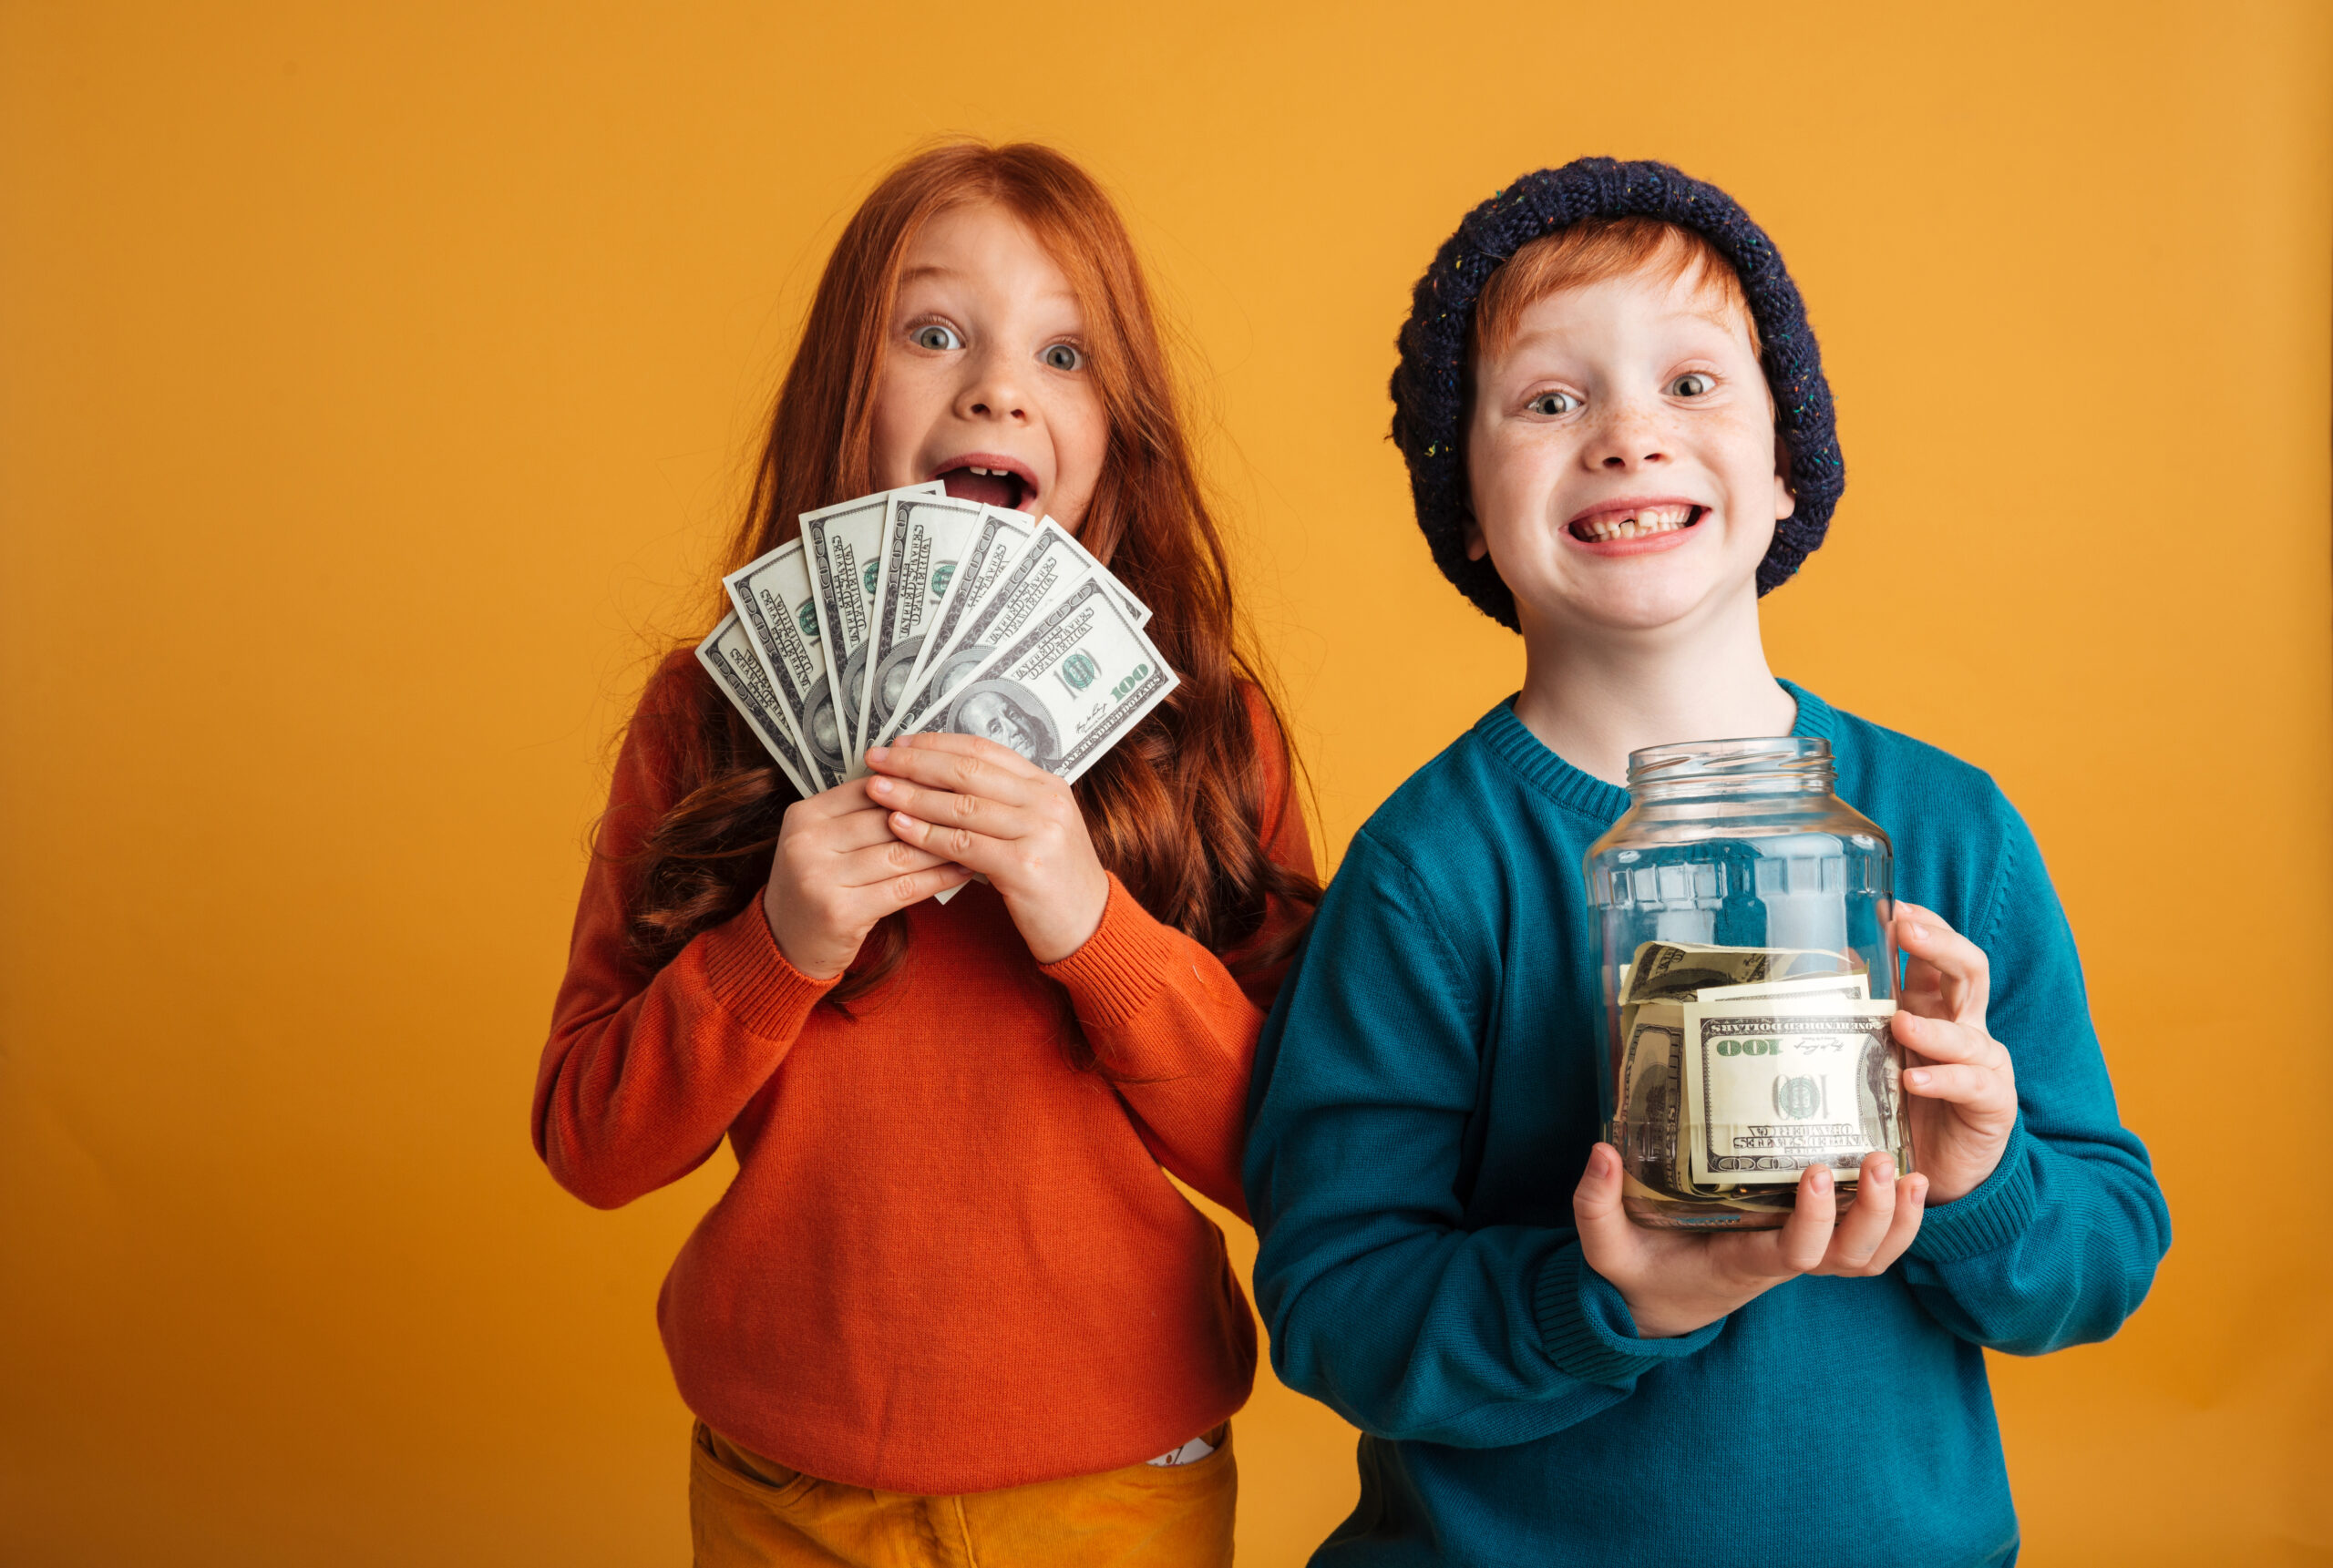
{"points": [[1995, 1212], [1656, 1319], [1589, 1331]]}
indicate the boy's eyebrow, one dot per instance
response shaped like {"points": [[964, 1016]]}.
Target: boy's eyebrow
{"points": [[1725, 316], [1720, 316]]}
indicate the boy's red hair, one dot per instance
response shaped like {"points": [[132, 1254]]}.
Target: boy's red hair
{"points": [[1176, 808], [1594, 251]]}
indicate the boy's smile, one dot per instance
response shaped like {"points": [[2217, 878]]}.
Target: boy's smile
{"points": [[1621, 457], [1634, 526], [985, 383]]}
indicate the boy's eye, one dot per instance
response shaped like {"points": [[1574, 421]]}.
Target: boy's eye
{"points": [[1692, 384], [1064, 356], [1554, 404], [936, 337]]}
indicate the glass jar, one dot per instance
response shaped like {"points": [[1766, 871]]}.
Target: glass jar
{"points": [[1749, 974]]}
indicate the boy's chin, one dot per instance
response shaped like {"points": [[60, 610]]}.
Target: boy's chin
{"points": [[1639, 602]]}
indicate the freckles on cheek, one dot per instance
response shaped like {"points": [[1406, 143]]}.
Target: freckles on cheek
{"points": [[1081, 446], [891, 435]]}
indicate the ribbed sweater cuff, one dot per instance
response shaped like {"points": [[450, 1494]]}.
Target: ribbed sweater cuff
{"points": [[1995, 1215], [751, 979], [1122, 965], [1585, 1327]]}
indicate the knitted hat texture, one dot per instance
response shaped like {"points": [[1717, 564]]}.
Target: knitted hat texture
{"points": [[1429, 384]]}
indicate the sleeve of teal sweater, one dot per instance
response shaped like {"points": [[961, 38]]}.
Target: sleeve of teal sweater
{"points": [[2060, 1244], [1380, 1304]]}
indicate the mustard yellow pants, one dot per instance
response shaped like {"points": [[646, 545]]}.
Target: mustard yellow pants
{"points": [[747, 1511]]}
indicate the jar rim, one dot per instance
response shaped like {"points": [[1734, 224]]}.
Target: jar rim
{"points": [[1804, 758]]}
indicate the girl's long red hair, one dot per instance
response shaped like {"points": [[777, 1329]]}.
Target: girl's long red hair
{"points": [[1175, 809]]}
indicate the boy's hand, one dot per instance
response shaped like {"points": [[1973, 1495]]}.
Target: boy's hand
{"points": [[838, 869], [991, 810], [1963, 1089], [1676, 1281]]}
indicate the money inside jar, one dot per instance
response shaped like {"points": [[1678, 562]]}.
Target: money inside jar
{"points": [[1739, 1068]]}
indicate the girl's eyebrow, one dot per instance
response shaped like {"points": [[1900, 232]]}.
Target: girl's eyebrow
{"points": [[940, 270]]}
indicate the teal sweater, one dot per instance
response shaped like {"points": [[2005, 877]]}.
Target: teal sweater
{"points": [[1423, 1104]]}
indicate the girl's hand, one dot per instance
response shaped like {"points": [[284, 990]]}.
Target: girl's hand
{"points": [[1676, 1281], [836, 871], [1964, 1089], [993, 811]]}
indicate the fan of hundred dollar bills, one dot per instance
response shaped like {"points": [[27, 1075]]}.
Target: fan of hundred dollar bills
{"points": [[915, 612]]}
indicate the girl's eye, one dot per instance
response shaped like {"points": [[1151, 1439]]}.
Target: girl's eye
{"points": [[936, 337], [1692, 384], [1554, 404], [1064, 356]]}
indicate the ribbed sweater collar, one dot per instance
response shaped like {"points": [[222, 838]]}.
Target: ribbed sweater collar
{"points": [[1513, 743]]}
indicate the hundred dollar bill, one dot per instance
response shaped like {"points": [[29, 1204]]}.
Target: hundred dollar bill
{"points": [[928, 536], [779, 604], [1772, 1088], [1649, 1065], [728, 656], [1076, 679], [1042, 575], [773, 598], [1134, 606], [1674, 968], [946, 647], [845, 547], [995, 544], [1853, 986], [1652, 1043]]}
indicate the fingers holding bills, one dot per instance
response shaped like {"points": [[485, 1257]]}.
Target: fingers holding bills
{"points": [[993, 811]]}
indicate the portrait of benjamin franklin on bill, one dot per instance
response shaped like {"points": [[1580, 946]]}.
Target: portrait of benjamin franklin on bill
{"points": [[1009, 713]]}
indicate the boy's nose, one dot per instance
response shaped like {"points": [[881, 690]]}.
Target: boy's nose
{"points": [[1629, 438]]}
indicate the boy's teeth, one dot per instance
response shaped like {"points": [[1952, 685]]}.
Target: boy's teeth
{"points": [[1636, 523]]}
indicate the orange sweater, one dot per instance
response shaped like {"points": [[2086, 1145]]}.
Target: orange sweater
{"points": [[948, 1260]]}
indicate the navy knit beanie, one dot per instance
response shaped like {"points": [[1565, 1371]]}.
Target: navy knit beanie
{"points": [[1429, 384]]}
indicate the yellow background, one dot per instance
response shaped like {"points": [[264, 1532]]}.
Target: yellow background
{"points": [[376, 385]]}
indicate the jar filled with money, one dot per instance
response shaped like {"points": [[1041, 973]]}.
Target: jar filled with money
{"points": [[1749, 977]]}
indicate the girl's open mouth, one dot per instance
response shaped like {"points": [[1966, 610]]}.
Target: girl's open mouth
{"points": [[990, 481], [1613, 523]]}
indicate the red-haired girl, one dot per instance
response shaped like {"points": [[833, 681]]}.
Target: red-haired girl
{"points": [[950, 1310]]}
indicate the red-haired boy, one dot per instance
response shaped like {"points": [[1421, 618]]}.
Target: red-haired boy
{"points": [[1620, 437]]}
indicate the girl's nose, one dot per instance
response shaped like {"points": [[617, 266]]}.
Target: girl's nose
{"points": [[992, 391]]}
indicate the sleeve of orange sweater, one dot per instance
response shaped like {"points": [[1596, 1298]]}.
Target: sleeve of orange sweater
{"points": [[644, 1072], [1170, 1023]]}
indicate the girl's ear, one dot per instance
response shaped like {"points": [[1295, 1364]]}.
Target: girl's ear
{"points": [[1470, 531], [1785, 499]]}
